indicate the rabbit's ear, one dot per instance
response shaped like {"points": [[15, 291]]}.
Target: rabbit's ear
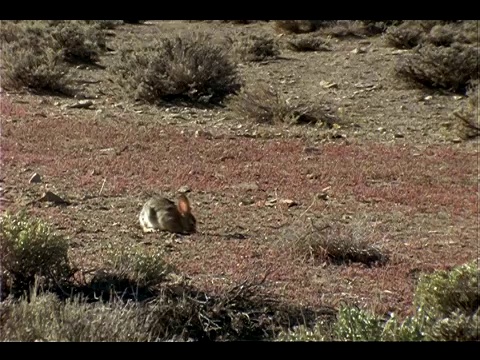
{"points": [[183, 204]]}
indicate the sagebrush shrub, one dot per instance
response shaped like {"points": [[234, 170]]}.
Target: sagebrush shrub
{"points": [[406, 35], [187, 67], [450, 68], [255, 48], [79, 41], [37, 71], [411, 33]]}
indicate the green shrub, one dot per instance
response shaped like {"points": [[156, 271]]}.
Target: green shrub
{"points": [[444, 292], [190, 67], [447, 309], [30, 249]]}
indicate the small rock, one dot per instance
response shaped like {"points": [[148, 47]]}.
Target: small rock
{"points": [[457, 140], [328, 84], [400, 51], [380, 129], [289, 202], [247, 201], [427, 98], [82, 104], [51, 197], [184, 189], [457, 97], [271, 202], [311, 150], [360, 50], [36, 178], [399, 135], [311, 176], [107, 149], [203, 133]]}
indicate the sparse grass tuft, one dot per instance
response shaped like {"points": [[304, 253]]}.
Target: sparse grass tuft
{"points": [[31, 249], [339, 244], [450, 68], [255, 48], [264, 104], [190, 68], [129, 272]]}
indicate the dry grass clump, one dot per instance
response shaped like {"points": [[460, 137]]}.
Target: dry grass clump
{"points": [[254, 48], [337, 244], [262, 103], [308, 42], [188, 67], [469, 115], [450, 68]]}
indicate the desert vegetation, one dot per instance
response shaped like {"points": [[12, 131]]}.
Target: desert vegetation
{"points": [[332, 167]]}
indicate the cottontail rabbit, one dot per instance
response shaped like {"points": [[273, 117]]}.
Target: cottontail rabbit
{"points": [[162, 214]]}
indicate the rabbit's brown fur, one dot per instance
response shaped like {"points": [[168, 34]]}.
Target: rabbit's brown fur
{"points": [[161, 214]]}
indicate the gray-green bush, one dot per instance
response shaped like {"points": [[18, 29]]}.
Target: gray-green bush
{"points": [[189, 67]]}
